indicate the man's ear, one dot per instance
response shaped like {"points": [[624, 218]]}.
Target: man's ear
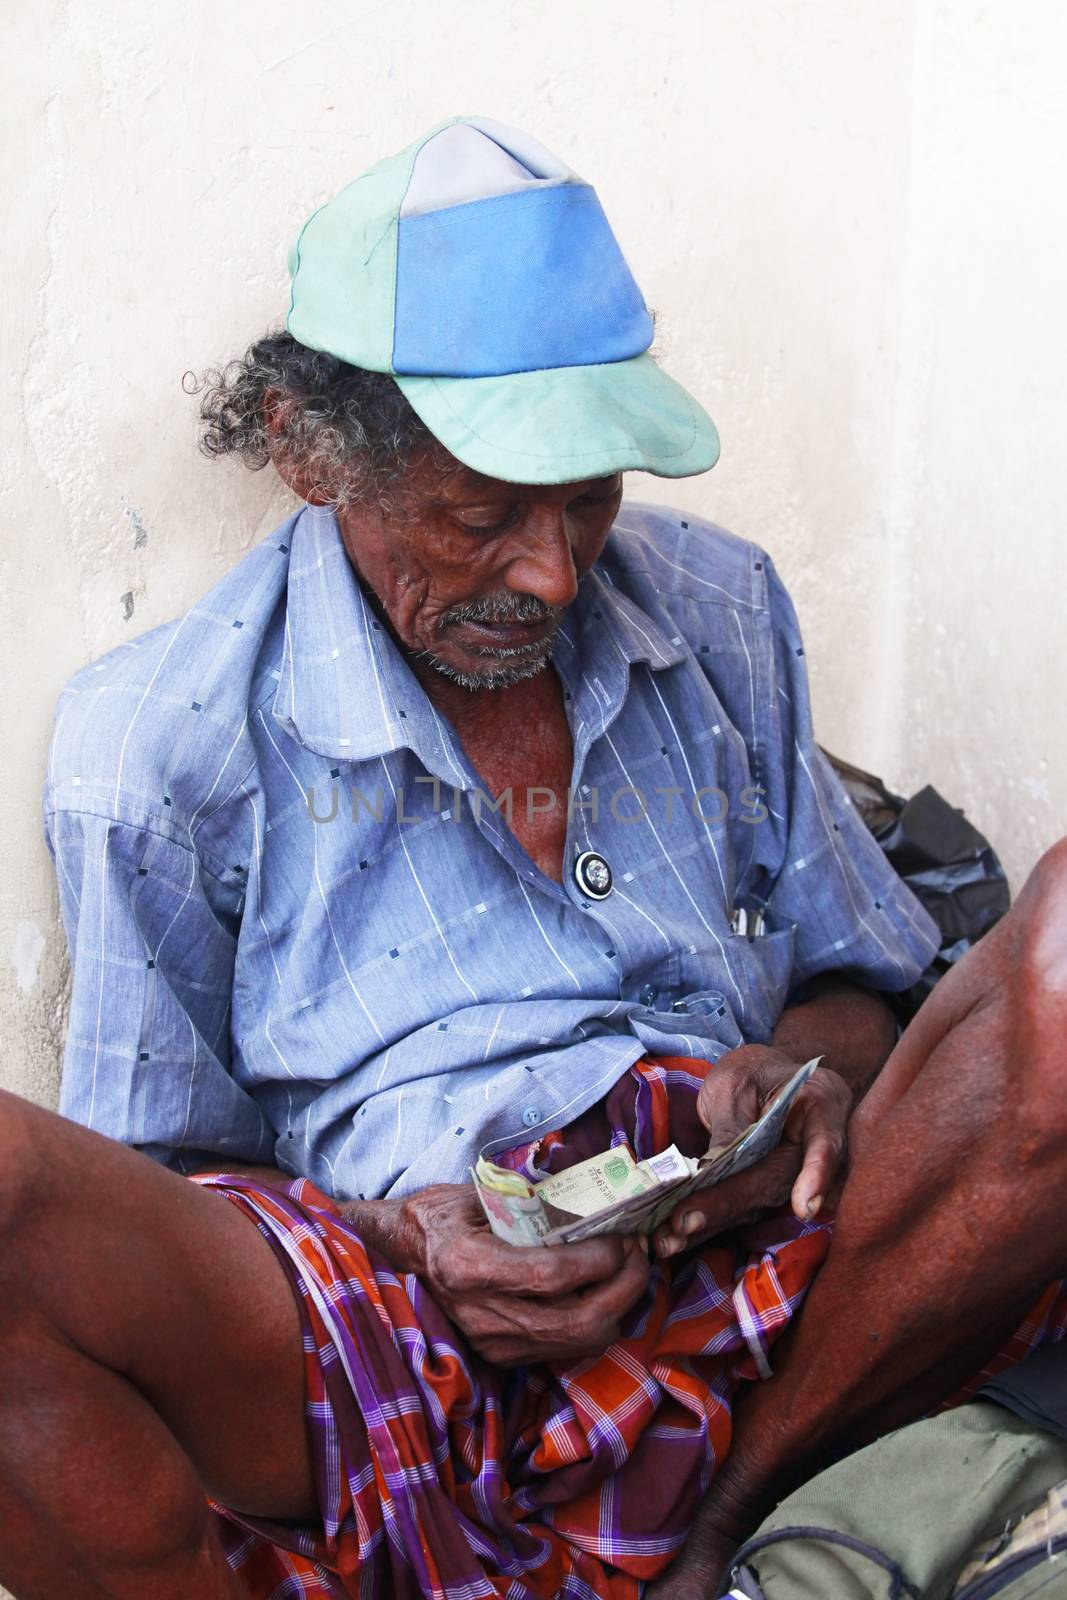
{"points": [[276, 406]]}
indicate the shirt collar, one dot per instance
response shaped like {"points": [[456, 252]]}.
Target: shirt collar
{"points": [[346, 691]]}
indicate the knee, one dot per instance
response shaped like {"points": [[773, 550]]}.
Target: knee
{"points": [[1041, 911], [1037, 1019], [1047, 881]]}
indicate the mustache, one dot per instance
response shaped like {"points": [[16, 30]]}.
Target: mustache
{"points": [[494, 609]]}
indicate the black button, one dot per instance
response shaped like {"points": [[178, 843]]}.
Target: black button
{"points": [[593, 875]]}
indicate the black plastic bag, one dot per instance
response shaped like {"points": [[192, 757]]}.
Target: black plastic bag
{"points": [[948, 865]]}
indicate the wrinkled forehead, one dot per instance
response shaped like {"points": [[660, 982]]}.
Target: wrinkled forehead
{"points": [[459, 483]]}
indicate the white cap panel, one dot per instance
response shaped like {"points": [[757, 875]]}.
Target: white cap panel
{"points": [[475, 160], [525, 148]]}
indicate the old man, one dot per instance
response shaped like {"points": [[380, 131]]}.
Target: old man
{"points": [[475, 811]]}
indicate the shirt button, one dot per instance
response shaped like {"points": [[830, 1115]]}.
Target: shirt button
{"points": [[593, 875], [647, 995], [531, 1116]]}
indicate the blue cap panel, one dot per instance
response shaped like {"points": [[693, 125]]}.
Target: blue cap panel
{"points": [[515, 283]]}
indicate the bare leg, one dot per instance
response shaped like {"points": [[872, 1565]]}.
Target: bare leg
{"points": [[150, 1351], [951, 1223]]}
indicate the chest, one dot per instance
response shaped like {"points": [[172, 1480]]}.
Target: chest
{"points": [[524, 760], [396, 928]]}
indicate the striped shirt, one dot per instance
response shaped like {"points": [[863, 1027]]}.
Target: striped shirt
{"points": [[302, 935]]}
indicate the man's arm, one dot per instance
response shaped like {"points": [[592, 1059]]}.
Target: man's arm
{"points": [[152, 935], [853, 1028]]}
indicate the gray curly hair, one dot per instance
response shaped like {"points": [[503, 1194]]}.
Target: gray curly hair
{"points": [[351, 432]]}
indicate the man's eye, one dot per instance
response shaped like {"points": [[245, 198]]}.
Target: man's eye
{"points": [[486, 528]]}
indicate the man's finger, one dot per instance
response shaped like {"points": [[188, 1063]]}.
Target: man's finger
{"points": [[548, 1270], [728, 1101], [823, 1153], [818, 1125], [609, 1301], [722, 1201], [586, 1322], [712, 1211], [574, 1325]]}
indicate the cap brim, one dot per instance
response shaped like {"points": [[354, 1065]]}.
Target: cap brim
{"points": [[568, 423]]}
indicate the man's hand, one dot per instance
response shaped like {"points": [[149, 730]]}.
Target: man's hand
{"points": [[513, 1304], [802, 1168]]}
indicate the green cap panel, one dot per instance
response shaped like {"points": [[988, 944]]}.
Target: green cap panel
{"points": [[344, 266]]}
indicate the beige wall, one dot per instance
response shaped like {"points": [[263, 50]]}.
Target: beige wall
{"points": [[850, 218]]}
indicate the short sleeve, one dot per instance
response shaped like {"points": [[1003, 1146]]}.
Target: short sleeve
{"points": [[851, 911], [152, 937]]}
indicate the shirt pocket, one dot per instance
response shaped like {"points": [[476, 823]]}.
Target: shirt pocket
{"points": [[762, 972]]}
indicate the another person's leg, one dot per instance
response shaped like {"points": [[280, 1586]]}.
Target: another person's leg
{"points": [[150, 1352], [951, 1223]]}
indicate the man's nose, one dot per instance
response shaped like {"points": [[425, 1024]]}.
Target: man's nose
{"points": [[544, 561]]}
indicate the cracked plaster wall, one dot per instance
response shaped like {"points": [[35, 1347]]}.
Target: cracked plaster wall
{"points": [[848, 218]]}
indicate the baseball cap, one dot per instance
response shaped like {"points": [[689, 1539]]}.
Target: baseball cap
{"points": [[481, 272]]}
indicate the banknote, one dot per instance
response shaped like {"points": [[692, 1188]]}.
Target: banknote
{"points": [[515, 1218], [590, 1186], [522, 1212], [612, 1193]]}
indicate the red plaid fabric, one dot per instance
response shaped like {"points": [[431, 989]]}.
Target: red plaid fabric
{"points": [[440, 1476]]}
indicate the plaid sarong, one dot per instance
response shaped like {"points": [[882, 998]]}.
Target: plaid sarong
{"points": [[439, 1475]]}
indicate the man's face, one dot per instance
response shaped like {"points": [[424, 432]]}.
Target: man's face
{"points": [[474, 574]]}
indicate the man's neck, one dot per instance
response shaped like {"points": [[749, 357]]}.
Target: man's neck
{"points": [[475, 712]]}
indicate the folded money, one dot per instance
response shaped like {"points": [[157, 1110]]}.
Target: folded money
{"points": [[614, 1193]]}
